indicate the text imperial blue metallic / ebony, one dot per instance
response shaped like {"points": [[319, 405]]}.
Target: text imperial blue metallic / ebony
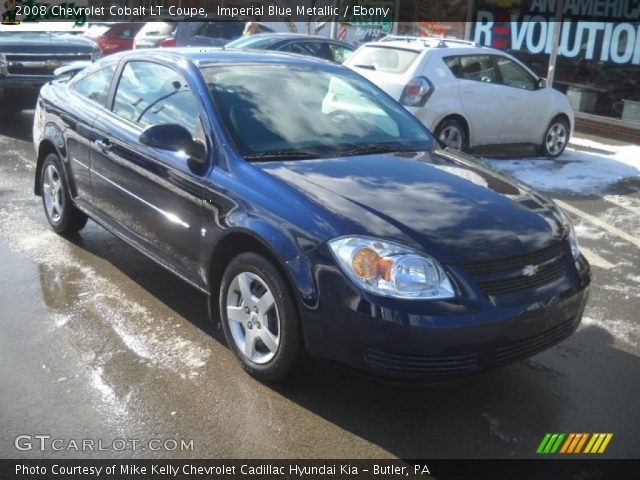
{"points": [[317, 214]]}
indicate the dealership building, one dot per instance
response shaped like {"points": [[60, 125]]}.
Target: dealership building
{"points": [[588, 49]]}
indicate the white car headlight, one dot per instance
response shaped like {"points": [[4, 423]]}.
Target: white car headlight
{"points": [[391, 270]]}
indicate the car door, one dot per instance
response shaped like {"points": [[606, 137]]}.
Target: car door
{"points": [[525, 103], [88, 97], [483, 99], [152, 196]]}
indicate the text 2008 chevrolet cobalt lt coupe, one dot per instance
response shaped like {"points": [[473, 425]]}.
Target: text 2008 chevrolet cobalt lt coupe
{"points": [[313, 209]]}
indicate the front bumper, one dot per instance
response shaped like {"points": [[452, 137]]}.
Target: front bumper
{"points": [[21, 90], [409, 339]]}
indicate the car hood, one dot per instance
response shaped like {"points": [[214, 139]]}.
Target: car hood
{"points": [[45, 43], [439, 202]]}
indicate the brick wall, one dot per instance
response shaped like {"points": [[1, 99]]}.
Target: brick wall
{"points": [[608, 129]]}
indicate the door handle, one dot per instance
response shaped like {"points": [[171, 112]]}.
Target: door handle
{"points": [[104, 145]]}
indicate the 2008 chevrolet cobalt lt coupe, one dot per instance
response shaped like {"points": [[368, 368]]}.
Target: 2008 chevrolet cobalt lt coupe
{"points": [[317, 214]]}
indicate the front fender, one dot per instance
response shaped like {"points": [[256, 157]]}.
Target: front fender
{"points": [[51, 141], [282, 245]]}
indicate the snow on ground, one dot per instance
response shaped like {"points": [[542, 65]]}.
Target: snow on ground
{"points": [[590, 168]]}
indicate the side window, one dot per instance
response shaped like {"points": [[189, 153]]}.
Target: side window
{"points": [[454, 65], [339, 53], [478, 68], [151, 94], [514, 75], [313, 49], [95, 86]]}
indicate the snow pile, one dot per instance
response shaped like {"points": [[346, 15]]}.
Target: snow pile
{"points": [[576, 171]]}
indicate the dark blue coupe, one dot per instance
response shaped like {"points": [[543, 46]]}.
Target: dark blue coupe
{"points": [[317, 214]]}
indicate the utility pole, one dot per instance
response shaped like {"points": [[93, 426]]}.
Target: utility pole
{"points": [[557, 27]]}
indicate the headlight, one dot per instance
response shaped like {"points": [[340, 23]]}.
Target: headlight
{"points": [[391, 270], [571, 234]]}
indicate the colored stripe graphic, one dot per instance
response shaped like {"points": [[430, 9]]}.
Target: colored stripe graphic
{"points": [[543, 443], [572, 443], [567, 443], [550, 443], [581, 443]]}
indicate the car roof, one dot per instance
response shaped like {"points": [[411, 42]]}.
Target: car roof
{"points": [[420, 44], [220, 55], [288, 35], [277, 37]]}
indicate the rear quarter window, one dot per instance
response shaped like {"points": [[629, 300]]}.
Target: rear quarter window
{"points": [[384, 59]]}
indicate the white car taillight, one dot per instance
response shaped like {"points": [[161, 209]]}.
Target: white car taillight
{"points": [[417, 92]]}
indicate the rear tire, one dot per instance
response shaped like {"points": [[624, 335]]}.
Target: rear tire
{"points": [[556, 138], [259, 318], [63, 216], [452, 133]]}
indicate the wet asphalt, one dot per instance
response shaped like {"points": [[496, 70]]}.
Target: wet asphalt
{"points": [[97, 342]]}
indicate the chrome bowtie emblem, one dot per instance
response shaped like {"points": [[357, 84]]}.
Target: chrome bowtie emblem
{"points": [[530, 270]]}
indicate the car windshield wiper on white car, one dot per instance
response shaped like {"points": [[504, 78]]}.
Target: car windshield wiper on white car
{"points": [[368, 66]]}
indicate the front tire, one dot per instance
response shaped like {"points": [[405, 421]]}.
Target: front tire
{"points": [[259, 318], [556, 138], [63, 216], [453, 134]]}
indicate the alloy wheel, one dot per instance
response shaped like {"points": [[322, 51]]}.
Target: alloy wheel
{"points": [[451, 136], [253, 318], [556, 138], [53, 193]]}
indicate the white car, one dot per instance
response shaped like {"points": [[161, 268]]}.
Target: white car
{"points": [[468, 95]]}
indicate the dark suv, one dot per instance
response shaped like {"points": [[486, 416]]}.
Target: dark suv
{"points": [[28, 59]]}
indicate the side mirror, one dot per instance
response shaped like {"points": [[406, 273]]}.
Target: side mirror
{"points": [[542, 83], [175, 138]]}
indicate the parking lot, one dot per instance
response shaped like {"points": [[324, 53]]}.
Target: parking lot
{"points": [[99, 342]]}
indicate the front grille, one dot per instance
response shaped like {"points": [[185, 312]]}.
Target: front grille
{"points": [[519, 273], [537, 343], [414, 364], [40, 65], [453, 365], [515, 262]]}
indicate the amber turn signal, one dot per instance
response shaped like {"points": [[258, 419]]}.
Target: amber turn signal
{"points": [[367, 264]]}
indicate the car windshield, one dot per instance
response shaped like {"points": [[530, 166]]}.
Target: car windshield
{"points": [[291, 112], [385, 59]]}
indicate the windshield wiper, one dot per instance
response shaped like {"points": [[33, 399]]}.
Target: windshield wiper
{"points": [[367, 66], [280, 155], [379, 148]]}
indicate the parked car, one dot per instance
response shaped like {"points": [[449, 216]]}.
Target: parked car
{"points": [[113, 37], [207, 34], [311, 45], [466, 94], [331, 226], [28, 60], [152, 34]]}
